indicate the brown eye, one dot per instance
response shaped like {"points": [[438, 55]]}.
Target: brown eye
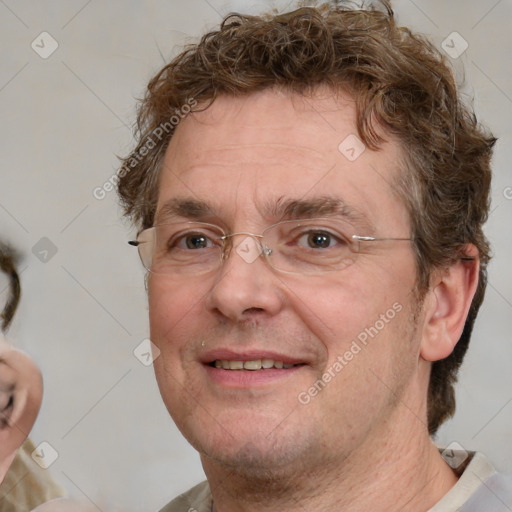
{"points": [[319, 240], [192, 241], [196, 242]]}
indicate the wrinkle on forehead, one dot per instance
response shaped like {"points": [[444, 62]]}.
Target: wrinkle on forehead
{"points": [[234, 155], [271, 118]]}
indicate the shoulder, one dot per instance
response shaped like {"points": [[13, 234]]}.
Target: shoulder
{"points": [[197, 499], [26, 485], [493, 495], [480, 487]]}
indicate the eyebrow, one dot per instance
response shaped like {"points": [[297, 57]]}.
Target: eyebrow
{"points": [[328, 206], [282, 209], [190, 208]]}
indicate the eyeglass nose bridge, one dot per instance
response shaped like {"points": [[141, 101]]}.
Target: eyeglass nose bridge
{"points": [[249, 258]]}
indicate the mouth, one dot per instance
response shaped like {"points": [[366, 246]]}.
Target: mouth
{"points": [[251, 365], [251, 368]]}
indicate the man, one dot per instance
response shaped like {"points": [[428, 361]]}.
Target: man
{"points": [[310, 193]]}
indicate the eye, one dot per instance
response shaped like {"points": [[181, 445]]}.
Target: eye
{"points": [[319, 240], [192, 241]]}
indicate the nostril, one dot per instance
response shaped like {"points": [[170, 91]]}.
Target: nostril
{"points": [[253, 310]]}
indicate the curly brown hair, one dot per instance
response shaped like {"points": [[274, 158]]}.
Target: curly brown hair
{"points": [[398, 80]]}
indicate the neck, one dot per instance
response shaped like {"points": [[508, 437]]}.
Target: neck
{"points": [[408, 474]]}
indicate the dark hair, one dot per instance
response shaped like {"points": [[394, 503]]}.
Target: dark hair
{"points": [[8, 259], [398, 80]]}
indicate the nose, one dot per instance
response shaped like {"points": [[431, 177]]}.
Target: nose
{"points": [[246, 287]]}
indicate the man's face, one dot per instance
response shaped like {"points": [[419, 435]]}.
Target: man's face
{"points": [[244, 158]]}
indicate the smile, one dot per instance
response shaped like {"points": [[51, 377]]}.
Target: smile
{"points": [[256, 364]]}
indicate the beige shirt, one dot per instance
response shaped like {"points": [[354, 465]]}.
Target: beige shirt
{"points": [[478, 469], [26, 485]]}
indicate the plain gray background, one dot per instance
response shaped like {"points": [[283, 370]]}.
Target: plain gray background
{"points": [[63, 120]]}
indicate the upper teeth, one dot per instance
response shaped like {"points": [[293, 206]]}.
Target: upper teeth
{"points": [[256, 364]]}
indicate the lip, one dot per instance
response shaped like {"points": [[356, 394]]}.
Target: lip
{"points": [[247, 355], [244, 379]]}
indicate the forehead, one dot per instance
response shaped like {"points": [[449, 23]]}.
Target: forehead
{"points": [[242, 154]]}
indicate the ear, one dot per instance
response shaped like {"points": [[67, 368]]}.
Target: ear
{"points": [[447, 305]]}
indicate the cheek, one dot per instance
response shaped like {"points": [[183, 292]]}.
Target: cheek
{"points": [[359, 318], [337, 309], [332, 316], [175, 328], [177, 325], [172, 306]]}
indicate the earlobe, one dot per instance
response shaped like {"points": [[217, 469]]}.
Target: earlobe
{"points": [[447, 305]]}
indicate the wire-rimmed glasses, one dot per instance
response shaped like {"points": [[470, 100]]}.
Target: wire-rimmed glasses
{"points": [[306, 246]]}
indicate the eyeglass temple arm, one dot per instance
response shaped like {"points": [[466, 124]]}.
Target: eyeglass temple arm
{"points": [[374, 239]]}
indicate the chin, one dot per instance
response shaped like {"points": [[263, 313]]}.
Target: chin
{"points": [[252, 461], [252, 453]]}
